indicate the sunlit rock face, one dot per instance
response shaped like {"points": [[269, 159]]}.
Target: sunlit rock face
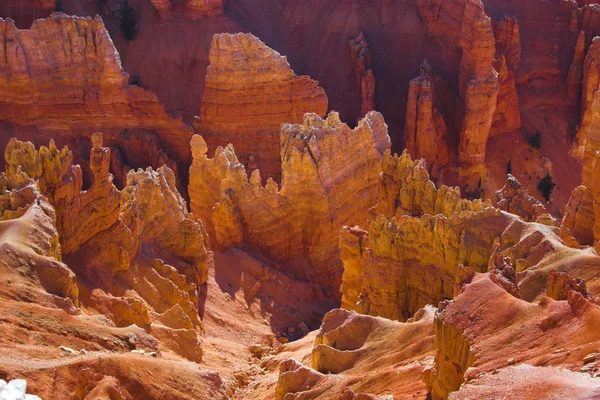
{"points": [[62, 79], [250, 91], [329, 177]]}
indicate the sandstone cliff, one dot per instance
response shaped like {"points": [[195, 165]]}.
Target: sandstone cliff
{"points": [[250, 91], [329, 176], [425, 131], [63, 79]]}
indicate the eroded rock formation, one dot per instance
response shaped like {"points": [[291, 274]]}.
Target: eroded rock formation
{"points": [[365, 80], [419, 232], [250, 91], [111, 239], [465, 31], [575, 78], [514, 199], [508, 41], [63, 79], [351, 345], [425, 132], [507, 116], [329, 176]]}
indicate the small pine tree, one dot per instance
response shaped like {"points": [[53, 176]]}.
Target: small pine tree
{"points": [[128, 22], [546, 186], [509, 168], [58, 7], [535, 140]]}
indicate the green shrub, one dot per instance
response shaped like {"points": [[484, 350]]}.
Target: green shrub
{"points": [[128, 23], [546, 186], [535, 140]]}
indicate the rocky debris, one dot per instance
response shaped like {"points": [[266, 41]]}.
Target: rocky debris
{"points": [[365, 80], [425, 131], [329, 177], [15, 390], [250, 91]]}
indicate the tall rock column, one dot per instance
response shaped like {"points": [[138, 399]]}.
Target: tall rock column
{"points": [[425, 130], [361, 58], [582, 216], [463, 29]]}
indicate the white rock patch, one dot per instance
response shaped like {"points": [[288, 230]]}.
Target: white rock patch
{"points": [[15, 390]]}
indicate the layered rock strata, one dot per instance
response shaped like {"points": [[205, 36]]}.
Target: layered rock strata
{"points": [[365, 80], [508, 41], [329, 177], [425, 131], [423, 243], [250, 91], [465, 33], [63, 79]]}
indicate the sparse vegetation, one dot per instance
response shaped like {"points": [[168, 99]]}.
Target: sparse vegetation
{"points": [[535, 140], [134, 80], [546, 186], [128, 23]]}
